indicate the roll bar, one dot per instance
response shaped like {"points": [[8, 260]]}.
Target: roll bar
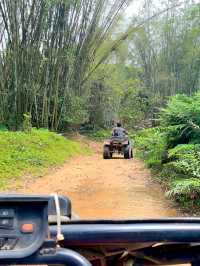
{"points": [[81, 233]]}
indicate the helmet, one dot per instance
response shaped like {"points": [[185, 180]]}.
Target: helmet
{"points": [[119, 124]]}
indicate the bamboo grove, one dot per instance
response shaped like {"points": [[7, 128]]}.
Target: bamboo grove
{"points": [[46, 50]]}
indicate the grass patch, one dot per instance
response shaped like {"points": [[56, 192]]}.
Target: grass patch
{"points": [[31, 153]]}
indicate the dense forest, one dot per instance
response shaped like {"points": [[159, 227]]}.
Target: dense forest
{"points": [[65, 63]]}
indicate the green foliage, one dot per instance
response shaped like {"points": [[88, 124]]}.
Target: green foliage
{"points": [[106, 91], [178, 111], [185, 191], [184, 112], [185, 160], [166, 51], [30, 153], [99, 134], [174, 148], [151, 146], [116, 94], [134, 107], [3, 127], [44, 65], [76, 112]]}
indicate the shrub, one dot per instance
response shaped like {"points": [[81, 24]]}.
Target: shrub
{"points": [[185, 191], [177, 111], [185, 160], [184, 112], [174, 147], [151, 146]]}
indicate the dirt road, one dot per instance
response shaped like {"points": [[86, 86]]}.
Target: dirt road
{"points": [[100, 188]]}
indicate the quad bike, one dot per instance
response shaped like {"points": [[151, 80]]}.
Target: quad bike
{"points": [[120, 145], [39, 230]]}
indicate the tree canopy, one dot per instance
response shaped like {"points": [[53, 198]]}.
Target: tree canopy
{"points": [[67, 62]]}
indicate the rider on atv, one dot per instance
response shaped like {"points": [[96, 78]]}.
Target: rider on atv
{"points": [[119, 131], [118, 143]]}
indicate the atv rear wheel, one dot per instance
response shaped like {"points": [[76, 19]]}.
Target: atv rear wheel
{"points": [[127, 152], [106, 152]]}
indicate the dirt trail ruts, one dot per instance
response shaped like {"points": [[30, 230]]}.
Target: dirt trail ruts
{"points": [[98, 188]]}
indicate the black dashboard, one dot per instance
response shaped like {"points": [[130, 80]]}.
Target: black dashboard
{"points": [[23, 225]]}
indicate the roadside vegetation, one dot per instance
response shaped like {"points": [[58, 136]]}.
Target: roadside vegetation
{"points": [[31, 153], [172, 149]]}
